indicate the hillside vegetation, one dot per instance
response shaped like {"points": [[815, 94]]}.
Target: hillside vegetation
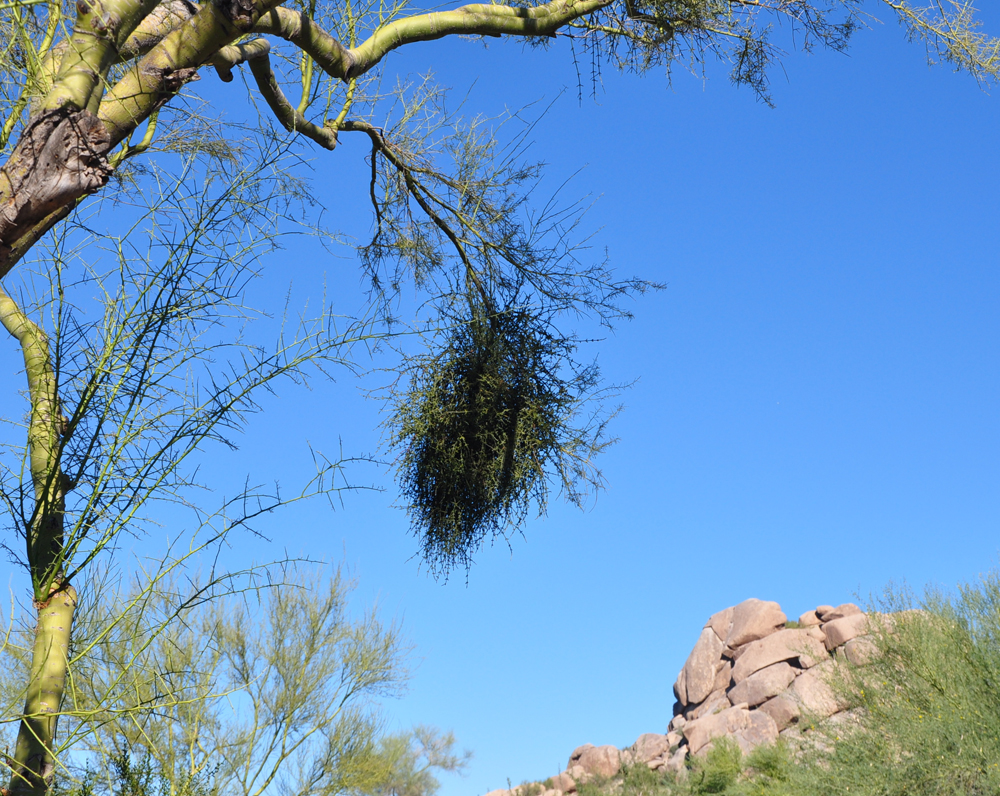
{"points": [[924, 717]]}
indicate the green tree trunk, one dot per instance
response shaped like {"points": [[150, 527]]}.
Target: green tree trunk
{"points": [[34, 764]]}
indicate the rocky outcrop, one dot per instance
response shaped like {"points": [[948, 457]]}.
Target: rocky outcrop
{"points": [[776, 673], [750, 677]]}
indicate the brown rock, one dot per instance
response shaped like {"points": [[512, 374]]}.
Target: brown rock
{"points": [[814, 694], [680, 687], [784, 645], [600, 761], [761, 730], [699, 670], [577, 775], [860, 651], [676, 761], [574, 758], [564, 782], [715, 702], [783, 709], [754, 619], [762, 685], [674, 739], [840, 631], [808, 619], [651, 745], [847, 609], [817, 633], [721, 622], [677, 722], [723, 676], [700, 732]]}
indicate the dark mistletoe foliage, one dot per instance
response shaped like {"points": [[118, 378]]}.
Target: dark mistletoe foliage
{"points": [[487, 420]]}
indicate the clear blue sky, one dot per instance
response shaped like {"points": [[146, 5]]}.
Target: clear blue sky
{"points": [[816, 411]]}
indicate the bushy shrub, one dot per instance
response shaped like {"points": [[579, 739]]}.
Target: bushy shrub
{"points": [[928, 718], [719, 770]]}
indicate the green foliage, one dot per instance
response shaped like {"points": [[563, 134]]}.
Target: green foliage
{"points": [[719, 770], [127, 776], [413, 760], [770, 763], [929, 718], [485, 423], [175, 693], [642, 34], [722, 771], [640, 780]]}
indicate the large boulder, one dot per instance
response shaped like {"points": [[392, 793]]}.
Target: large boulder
{"points": [[727, 722], [783, 709], [723, 676], [577, 753], [675, 763], [829, 614], [812, 691], [680, 688], [760, 730], [808, 619], [701, 666], [860, 651], [564, 782], [721, 622], [754, 619], [785, 645], [649, 746], [817, 632], [762, 685], [600, 761], [715, 702], [840, 631]]}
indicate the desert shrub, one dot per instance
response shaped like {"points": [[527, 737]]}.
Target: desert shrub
{"points": [[641, 780], [719, 771], [928, 722]]}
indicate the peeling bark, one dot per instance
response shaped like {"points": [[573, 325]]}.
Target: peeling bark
{"points": [[241, 13], [60, 158]]}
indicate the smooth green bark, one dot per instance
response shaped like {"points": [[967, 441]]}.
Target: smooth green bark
{"points": [[34, 764]]}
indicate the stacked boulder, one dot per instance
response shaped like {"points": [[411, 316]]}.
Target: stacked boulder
{"points": [[750, 677], [752, 674]]}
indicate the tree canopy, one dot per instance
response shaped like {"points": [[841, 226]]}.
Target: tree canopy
{"points": [[99, 97]]}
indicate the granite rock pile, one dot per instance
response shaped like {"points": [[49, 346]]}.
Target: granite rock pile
{"points": [[751, 676]]}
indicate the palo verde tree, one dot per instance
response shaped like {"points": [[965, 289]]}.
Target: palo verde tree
{"points": [[93, 90]]}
